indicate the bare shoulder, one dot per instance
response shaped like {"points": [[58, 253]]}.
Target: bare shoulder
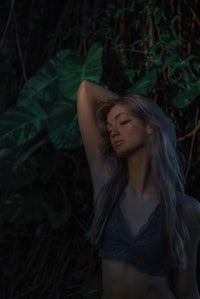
{"points": [[191, 205]]}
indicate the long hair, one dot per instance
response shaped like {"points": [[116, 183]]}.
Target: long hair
{"points": [[166, 167]]}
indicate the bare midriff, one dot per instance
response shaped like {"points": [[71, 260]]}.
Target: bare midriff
{"points": [[122, 281]]}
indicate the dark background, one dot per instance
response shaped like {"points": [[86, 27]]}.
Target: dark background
{"points": [[36, 259]]}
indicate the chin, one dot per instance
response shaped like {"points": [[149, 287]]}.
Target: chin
{"points": [[130, 152], [124, 154]]}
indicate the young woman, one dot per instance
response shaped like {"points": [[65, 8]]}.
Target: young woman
{"points": [[146, 229]]}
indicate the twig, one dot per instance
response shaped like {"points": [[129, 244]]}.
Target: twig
{"points": [[25, 292], [192, 143], [195, 16], [32, 260], [44, 258], [193, 132], [19, 50], [8, 22]]}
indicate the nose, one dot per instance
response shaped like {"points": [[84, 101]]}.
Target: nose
{"points": [[114, 132]]}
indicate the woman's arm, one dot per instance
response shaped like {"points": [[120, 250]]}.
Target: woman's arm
{"points": [[198, 267], [185, 281], [88, 95]]}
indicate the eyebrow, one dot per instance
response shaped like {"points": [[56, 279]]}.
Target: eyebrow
{"points": [[107, 123]]}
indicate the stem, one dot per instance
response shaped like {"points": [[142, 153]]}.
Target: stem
{"points": [[8, 22], [197, 125]]}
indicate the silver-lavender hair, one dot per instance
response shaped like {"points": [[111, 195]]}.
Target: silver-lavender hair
{"points": [[165, 164]]}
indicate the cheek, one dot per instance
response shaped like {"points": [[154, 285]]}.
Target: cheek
{"points": [[136, 129], [136, 125], [137, 134]]}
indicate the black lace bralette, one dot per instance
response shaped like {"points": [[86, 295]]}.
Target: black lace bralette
{"points": [[147, 250]]}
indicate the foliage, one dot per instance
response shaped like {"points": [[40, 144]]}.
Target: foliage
{"points": [[144, 47], [46, 103]]}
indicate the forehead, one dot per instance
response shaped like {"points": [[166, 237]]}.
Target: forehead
{"points": [[116, 111]]}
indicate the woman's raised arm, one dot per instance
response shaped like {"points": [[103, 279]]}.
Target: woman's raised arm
{"points": [[88, 95]]}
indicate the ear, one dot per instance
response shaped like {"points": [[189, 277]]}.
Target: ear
{"points": [[150, 129]]}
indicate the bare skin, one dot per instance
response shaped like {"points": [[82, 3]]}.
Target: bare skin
{"points": [[134, 283], [128, 136]]}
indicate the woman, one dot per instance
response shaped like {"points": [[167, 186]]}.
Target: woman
{"points": [[146, 229]]}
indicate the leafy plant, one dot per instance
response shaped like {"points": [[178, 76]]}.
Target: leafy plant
{"points": [[149, 48], [45, 114]]}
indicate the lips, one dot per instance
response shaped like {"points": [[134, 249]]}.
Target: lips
{"points": [[117, 143]]}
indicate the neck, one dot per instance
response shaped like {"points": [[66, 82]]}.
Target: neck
{"points": [[141, 178]]}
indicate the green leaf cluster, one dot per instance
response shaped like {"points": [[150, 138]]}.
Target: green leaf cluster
{"points": [[152, 58], [45, 112], [47, 101], [44, 116]]}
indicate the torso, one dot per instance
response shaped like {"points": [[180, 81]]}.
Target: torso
{"points": [[137, 211], [122, 280]]}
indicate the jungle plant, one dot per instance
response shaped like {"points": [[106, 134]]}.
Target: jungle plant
{"points": [[44, 116]]}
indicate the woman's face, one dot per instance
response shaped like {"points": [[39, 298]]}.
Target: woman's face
{"points": [[128, 133]]}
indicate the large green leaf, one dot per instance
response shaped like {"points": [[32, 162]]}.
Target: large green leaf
{"points": [[185, 97], [44, 85], [25, 154], [14, 178], [23, 208], [20, 124], [31, 207], [62, 126], [145, 84], [75, 69], [35, 106]]}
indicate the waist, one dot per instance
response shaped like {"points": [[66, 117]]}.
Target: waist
{"points": [[121, 281], [142, 263]]}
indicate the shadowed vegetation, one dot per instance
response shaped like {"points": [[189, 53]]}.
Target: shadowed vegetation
{"points": [[46, 49]]}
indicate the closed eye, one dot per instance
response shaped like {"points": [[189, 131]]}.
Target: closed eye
{"points": [[124, 122], [121, 123]]}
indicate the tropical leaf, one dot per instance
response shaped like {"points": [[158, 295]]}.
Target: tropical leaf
{"points": [[20, 124], [7, 152], [31, 207], [62, 126], [13, 178], [25, 155], [74, 70], [23, 208], [44, 85], [145, 84], [92, 68], [185, 97]]}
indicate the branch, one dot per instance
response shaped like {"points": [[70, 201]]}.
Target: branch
{"points": [[19, 50], [197, 125], [8, 22], [190, 134]]}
